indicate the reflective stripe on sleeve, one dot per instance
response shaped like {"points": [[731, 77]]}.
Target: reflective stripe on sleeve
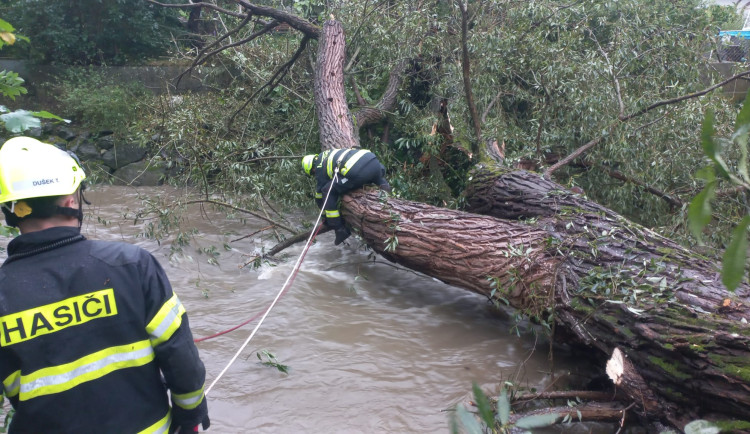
{"points": [[12, 384], [353, 160], [318, 195], [161, 426], [332, 214], [56, 379], [166, 321], [190, 400]]}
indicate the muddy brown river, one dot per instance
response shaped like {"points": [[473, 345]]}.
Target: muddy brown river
{"points": [[370, 347]]}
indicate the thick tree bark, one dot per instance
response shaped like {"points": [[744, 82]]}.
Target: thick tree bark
{"points": [[334, 120], [616, 286]]}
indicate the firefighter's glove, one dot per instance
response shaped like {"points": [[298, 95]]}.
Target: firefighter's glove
{"points": [[190, 430], [342, 233]]}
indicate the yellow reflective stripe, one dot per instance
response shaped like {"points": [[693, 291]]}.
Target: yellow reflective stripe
{"points": [[333, 214], [323, 155], [353, 160], [12, 384], [161, 426], [189, 400], [331, 157], [318, 195], [323, 160], [166, 321], [60, 378]]}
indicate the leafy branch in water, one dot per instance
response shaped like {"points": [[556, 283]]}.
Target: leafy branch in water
{"points": [[495, 420], [268, 359]]}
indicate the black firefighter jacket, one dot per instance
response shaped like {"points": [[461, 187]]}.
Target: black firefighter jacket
{"points": [[87, 328], [339, 171]]}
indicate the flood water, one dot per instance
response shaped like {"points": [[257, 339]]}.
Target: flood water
{"points": [[370, 347]]}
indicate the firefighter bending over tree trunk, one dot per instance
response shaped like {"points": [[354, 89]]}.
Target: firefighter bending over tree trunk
{"points": [[92, 337], [341, 171]]}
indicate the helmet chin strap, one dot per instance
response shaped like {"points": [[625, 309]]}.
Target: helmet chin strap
{"points": [[76, 212]]}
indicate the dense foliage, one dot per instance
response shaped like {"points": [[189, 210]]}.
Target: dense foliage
{"points": [[547, 78], [83, 32]]}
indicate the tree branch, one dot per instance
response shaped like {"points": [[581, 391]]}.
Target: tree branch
{"points": [[467, 77], [274, 80], [369, 115], [307, 28], [622, 119], [197, 5], [202, 55], [615, 81], [242, 210]]}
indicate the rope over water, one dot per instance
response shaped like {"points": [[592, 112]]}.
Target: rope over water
{"points": [[284, 287]]}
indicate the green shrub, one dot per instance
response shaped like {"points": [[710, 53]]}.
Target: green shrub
{"points": [[85, 32], [98, 102]]}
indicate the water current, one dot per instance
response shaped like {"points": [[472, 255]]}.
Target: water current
{"points": [[370, 347]]}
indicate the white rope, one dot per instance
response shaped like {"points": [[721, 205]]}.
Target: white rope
{"points": [[294, 269]]}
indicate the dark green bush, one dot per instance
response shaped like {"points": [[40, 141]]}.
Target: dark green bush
{"points": [[85, 32], [98, 102]]}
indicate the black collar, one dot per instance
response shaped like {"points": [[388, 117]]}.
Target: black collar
{"points": [[36, 242]]}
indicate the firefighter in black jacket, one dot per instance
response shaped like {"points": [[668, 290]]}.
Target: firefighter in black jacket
{"points": [[92, 337], [341, 171]]}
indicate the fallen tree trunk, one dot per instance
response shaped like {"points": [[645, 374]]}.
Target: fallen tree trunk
{"points": [[615, 285]]}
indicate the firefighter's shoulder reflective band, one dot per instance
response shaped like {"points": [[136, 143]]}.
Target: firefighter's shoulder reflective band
{"points": [[56, 379], [189, 401], [161, 426], [22, 326], [166, 321], [353, 160], [329, 164]]}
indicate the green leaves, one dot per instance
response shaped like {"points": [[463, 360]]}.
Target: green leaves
{"points": [[733, 263], [11, 85], [19, 121], [6, 34], [701, 427], [700, 209], [483, 405], [498, 421], [503, 407], [537, 421], [710, 147], [267, 358]]}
